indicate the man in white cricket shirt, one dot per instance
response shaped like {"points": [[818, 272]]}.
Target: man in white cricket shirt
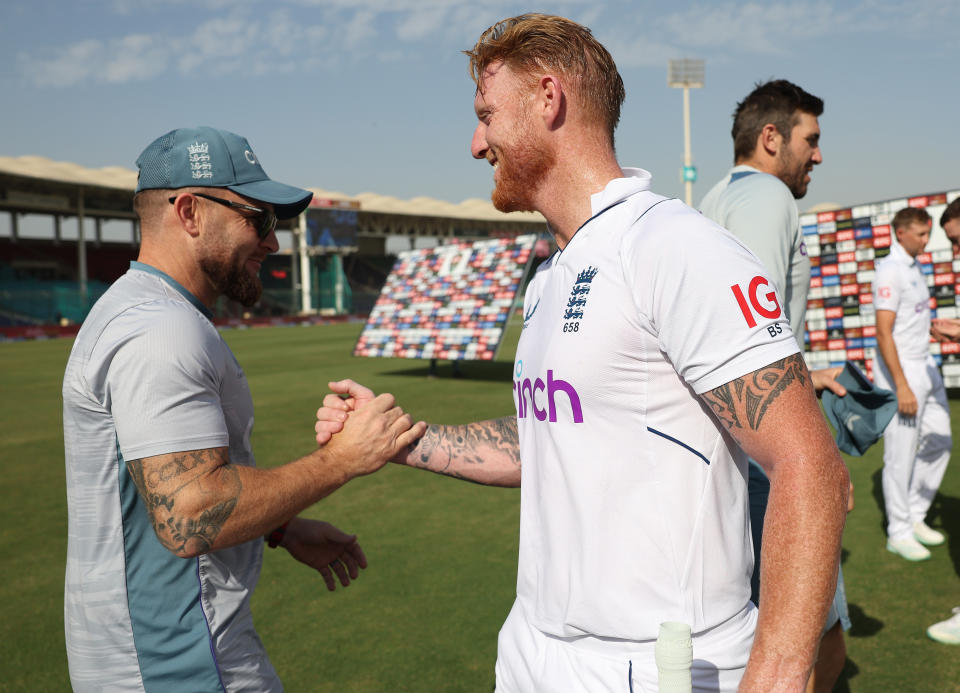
{"points": [[947, 329], [776, 142], [646, 335], [917, 442]]}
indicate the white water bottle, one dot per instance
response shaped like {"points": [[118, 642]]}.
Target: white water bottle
{"points": [[674, 656]]}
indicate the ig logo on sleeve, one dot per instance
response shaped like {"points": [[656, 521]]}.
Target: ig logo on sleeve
{"points": [[761, 302]]}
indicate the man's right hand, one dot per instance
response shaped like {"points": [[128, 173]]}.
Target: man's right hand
{"points": [[906, 401], [375, 432], [826, 379]]}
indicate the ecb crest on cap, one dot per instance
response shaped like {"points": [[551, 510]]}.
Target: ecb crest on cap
{"points": [[200, 166]]}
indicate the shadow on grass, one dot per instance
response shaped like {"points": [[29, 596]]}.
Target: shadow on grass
{"points": [[862, 625], [495, 371], [877, 491], [850, 669], [944, 514]]}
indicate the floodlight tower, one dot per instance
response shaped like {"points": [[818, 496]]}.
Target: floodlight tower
{"points": [[688, 74]]}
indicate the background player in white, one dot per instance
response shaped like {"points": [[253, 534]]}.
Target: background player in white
{"points": [[167, 510], [917, 442], [776, 142], [633, 504], [949, 328], [945, 329]]}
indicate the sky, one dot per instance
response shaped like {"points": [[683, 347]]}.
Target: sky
{"points": [[359, 96]]}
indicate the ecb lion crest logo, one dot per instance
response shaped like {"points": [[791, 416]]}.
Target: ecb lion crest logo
{"points": [[577, 302]]}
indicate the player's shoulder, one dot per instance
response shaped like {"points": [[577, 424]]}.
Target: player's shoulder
{"points": [[671, 234], [888, 271], [888, 263], [669, 220], [160, 323], [759, 189]]}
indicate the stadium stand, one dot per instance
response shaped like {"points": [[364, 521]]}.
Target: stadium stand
{"points": [[54, 275], [843, 245], [451, 302]]}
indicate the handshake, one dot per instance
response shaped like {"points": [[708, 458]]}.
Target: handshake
{"points": [[361, 431], [945, 329]]}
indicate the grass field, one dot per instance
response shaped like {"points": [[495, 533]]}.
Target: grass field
{"points": [[424, 616]]}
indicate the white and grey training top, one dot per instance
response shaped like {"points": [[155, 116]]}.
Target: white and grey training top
{"points": [[759, 209], [149, 374]]}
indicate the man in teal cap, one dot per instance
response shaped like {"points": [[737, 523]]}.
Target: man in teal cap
{"points": [[167, 510]]}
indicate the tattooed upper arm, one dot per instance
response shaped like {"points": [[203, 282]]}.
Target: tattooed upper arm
{"points": [[742, 403], [173, 486]]}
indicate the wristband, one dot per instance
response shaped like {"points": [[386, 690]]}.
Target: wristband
{"points": [[276, 536]]}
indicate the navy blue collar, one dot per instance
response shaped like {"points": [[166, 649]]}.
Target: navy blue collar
{"points": [[175, 284]]}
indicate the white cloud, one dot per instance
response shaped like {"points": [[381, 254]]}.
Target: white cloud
{"points": [[419, 25], [134, 57], [754, 28], [264, 36], [71, 65], [359, 30]]}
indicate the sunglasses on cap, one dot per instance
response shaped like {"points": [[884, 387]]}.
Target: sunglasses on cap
{"points": [[264, 220]]}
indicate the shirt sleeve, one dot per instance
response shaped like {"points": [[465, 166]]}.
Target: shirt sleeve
{"points": [[764, 218], [714, 308], [159, 373], [886, 287]]}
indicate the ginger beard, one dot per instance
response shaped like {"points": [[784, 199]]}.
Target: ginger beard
{"points": [[521, 167]]}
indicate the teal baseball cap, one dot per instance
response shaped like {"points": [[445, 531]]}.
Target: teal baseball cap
{"points": [[212, 158]]}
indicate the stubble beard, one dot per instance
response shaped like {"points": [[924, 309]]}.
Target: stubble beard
{"points": [[792, 173], [520, 173]]}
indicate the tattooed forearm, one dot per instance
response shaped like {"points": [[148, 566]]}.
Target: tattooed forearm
{"points": [[198, 535], [180, 464], [744, 401], [485, 452], [169, 486]]}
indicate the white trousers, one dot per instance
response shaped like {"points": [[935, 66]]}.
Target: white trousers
{"points": [[530, 661], [915, 449]]}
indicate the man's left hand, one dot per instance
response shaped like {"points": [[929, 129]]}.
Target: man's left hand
{"points": [[325, 548]]}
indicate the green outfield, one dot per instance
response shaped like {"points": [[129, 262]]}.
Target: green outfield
{"points": [[424, 616]]}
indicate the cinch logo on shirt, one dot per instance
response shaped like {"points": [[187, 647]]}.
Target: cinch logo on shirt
{"points": [[770, 309], [527, 397]]}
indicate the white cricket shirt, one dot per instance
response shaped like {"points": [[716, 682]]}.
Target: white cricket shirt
{"points": [[901, 287], [633, 501]]}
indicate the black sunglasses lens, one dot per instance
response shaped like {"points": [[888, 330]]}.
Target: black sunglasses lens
{"points": [[267, 223]]}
